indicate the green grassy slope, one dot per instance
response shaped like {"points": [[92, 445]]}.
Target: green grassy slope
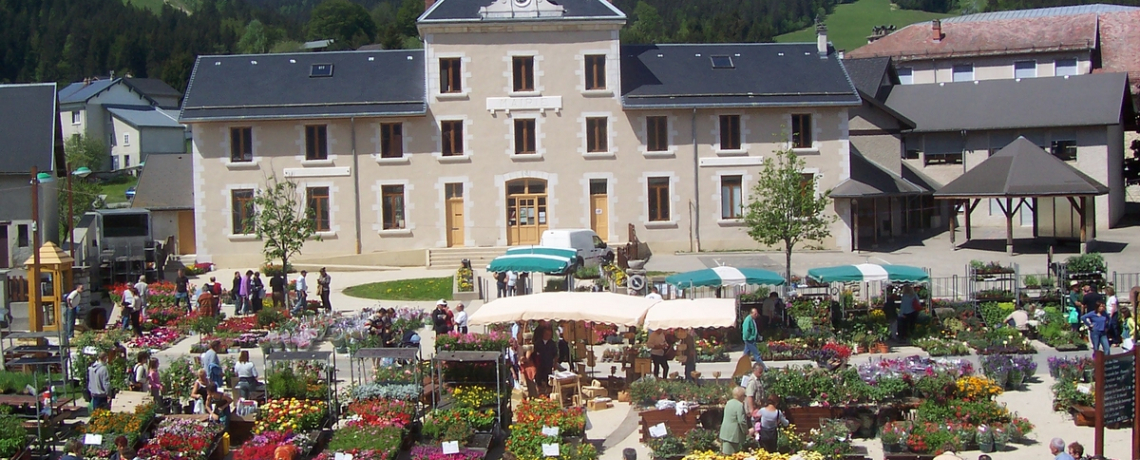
{"points": [[851, 23]]}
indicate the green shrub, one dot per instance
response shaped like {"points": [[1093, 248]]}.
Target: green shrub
{"points": [[1087, 263]]}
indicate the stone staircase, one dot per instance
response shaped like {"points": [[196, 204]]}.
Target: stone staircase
{"points": [[451, 257]]}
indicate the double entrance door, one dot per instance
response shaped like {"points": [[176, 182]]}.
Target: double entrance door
{"points": [[526, 211]]}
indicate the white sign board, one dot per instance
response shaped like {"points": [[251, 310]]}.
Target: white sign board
{"points": [[658, 430], [550, 450], [451, 447]]}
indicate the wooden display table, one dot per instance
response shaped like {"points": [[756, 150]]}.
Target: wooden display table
{"points": [[567, 390], [677, 425]]}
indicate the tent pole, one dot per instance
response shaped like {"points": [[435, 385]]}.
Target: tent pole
{"points": [[950, 222], [1084, 236], [854, 225], [968, 208]]}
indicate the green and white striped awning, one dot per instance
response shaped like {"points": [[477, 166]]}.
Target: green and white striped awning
{"points": [[536, 259], [725, 276], [868, 272]]}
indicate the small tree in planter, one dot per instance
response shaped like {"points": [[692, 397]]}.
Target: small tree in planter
{"points": [[282, 219]]}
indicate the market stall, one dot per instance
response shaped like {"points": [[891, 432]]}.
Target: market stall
{"points": [[691, 314], [601, 307]]}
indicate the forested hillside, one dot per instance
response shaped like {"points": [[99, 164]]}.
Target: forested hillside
{"points": [[68, 40]]}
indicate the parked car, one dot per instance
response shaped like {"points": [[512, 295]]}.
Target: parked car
{"points": [[592, 251]]}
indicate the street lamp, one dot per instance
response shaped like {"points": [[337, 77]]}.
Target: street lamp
{"points": [[82, 172]]}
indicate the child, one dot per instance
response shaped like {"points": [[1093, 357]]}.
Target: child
{"points": [[154, 381]]}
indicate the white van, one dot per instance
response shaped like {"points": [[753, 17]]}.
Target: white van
{"points": [[591, 250]]}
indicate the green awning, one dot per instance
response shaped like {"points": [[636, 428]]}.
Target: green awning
{"points": [[537, 259], [868, 272], [725, 276]]}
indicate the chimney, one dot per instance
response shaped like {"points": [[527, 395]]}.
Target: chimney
{"points": [[937, 29], [821, 37], [428, 4]]}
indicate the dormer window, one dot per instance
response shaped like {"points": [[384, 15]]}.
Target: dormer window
{"points": [[722, 62], [321, 70]]}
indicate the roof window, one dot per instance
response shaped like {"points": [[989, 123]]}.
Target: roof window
{"points": [[721, 62], [321, 70]]}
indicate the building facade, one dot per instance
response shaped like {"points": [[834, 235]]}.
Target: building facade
{"points": [[517, 116], [32, 139]]}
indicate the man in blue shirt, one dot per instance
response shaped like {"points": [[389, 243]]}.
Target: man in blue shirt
{"points": [[1057, 447]]}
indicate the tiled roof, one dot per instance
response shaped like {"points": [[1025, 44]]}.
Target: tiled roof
{"points": [[82, 91], [982, 38], [27, 127], [1041, 12], [306, 85], [749, 75], [1079, 100], [144, 117], [1119, 39], [1021, 169], [165, 183], [468, 10], [868, 73]]}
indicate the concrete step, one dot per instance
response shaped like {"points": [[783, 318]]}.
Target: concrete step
{"points": [[452, 257]]}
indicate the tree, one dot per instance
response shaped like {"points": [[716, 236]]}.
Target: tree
{"points": [[282, 220], [81, 151], [347, 23], [255, 40], [785, 208]]}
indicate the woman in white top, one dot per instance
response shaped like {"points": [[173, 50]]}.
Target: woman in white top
{"points": [[460, 319], [1111, 304], [128, 307], [247, 375]]}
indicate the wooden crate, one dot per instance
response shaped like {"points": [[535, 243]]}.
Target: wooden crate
{"points": [[806, 418]]}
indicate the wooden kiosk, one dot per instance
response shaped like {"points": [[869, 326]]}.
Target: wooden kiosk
{"points": [[54, 284]]}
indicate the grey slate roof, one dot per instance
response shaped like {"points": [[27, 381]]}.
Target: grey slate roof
{"points": [[468, 10], [278, 86], [764, 74], [27, 127], [1021, 169], [867, 73], [1040, 13], [868, 179], [144, 117], [152, 87], [1079, 100], [166, 183], [80, 92]]}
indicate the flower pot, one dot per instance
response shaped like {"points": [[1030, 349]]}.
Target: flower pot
{"points": [[986, 447], [892, 448], [999, 446], [880, 348], [1016, 378]]}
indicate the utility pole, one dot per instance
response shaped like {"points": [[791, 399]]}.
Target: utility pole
{"points": [[35, 311]]}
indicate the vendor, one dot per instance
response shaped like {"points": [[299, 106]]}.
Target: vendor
{"points": [[546, 354], [657, 346], [689, 354], [1018, 319], [218, 405]]}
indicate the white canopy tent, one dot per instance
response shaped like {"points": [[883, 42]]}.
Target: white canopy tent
{"points": [[691, 313], [598, 307]]}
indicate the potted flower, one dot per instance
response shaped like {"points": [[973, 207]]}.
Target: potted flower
{"points": [[1000, 438], [893, 436], [985, 438]]}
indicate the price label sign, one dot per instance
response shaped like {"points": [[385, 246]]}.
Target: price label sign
{"points": [[93, 439], [550, 431], [550, 450], [658, 430], [342, 456], [451, 447]]}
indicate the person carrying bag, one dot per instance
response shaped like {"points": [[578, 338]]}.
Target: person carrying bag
{"points": [[769, 420]]}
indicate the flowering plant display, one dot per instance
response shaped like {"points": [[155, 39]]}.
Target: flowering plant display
{"points": [[182, 439], [163, 315], [832, 439], [464, 279], [298, 379], [1078, 369], [264, 445], [238, 324], [942, 347], [1008, 370], [157, 339], [114, 424], [436, 453], [759, 454], [915, 367], [178, 377], [974, 388], [648, 390], [894, 434], [473, 396], [454, 341], [367, 442], [290, 415], [380, 412], [395, 374]]}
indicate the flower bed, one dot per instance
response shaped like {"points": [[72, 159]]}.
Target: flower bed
{"points": [[182, 439], [290, 415], [1074, 386], [298, 379], [473, 396], [403, 391], [711, 350], [238, 325], [936, 438]]}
